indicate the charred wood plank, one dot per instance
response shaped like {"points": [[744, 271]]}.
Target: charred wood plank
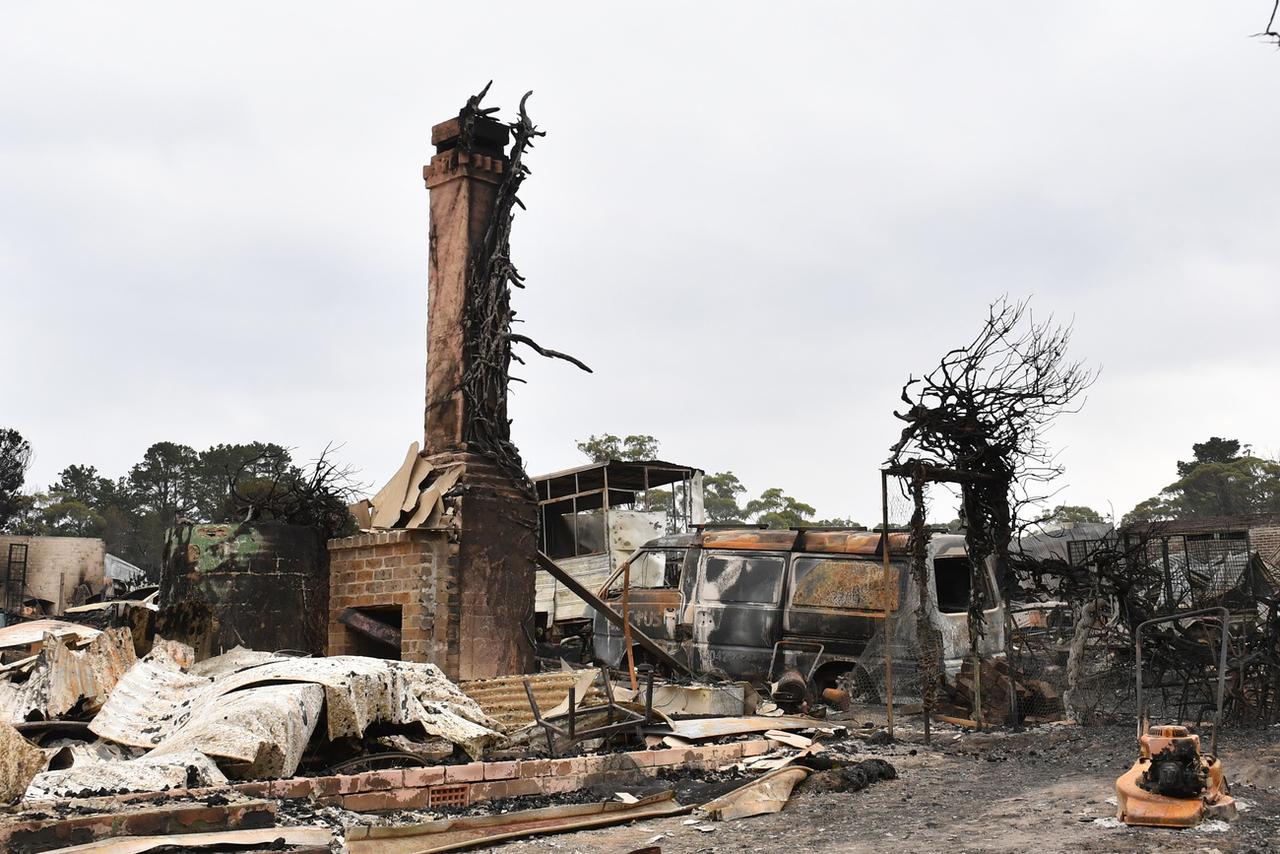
{"points": [[370, 627]]}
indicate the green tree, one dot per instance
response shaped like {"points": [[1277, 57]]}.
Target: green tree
{"points": [[255, 469], [1214, 450], [778, 510], [720, 493], [836, 522], [15, 456], [1073, 514], [1222, 479], [165, 482], [606, 447]]}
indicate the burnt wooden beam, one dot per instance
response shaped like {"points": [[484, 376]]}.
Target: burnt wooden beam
{"points": [[370, 627], [609, 614], [939, 474]]}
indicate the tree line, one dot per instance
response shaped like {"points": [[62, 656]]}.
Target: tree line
{"points": [[1223, 478], [257, 481], [722, 492]]}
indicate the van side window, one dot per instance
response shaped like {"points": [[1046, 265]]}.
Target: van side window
{"points": [[951, 584], [754, 579], [856, 585]]}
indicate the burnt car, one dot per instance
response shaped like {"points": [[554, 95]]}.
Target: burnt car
{"points": [[744, 602]]}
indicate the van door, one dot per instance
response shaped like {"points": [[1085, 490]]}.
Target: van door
{"points": [[737, 614]]}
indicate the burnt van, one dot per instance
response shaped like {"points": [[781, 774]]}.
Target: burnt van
{"points": [[740, 602]]}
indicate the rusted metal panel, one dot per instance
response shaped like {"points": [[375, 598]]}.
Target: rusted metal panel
{"points": [[656, 611], [840, 600], [832, 584], [750, 539], [851, 542], [766, 794]]}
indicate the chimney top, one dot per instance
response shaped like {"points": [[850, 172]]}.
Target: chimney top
{"points": [[490, 136]]}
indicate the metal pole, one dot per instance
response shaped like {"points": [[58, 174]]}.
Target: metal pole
{"points": [[888, 612], [626, 624]]}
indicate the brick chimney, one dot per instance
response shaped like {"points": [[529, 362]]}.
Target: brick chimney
{"points": [[463, 186], [495, 521]]}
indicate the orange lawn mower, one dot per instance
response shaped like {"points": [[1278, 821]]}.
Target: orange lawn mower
{"points": [[1173, 784]]}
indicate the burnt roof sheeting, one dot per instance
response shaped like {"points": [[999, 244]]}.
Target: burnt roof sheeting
{"points": [[155, 702]]}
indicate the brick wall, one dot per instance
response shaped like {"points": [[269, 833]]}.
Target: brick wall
{"points": [[413, 570], [456, 785], [57, 565]]}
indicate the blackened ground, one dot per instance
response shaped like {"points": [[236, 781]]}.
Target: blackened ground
{"points": [[1042, 790]]}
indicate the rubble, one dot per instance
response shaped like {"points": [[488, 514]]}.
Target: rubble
{"points": [[20, 761], [59, 678], [463, 833], [151, 773]]}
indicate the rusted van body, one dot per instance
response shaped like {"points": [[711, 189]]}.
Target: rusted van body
{"points": [[741, 601]]}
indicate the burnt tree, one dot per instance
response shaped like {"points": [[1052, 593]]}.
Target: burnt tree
{"points": [[978, 420], [488, 315]]}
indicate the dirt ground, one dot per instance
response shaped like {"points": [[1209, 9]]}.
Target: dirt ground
{"points": [[1043, 790]]}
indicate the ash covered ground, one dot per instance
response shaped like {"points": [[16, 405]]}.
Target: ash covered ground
{"points": [[1050, 789]]}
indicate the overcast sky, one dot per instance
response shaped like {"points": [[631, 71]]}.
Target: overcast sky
{"points": [[752, 220]]}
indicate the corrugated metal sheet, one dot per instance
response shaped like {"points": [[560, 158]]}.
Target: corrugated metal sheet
{"points": [[259, 718], [505, 701], [148, 773], [61, 677]]}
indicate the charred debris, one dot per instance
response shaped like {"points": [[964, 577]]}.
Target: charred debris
{"points": [[473, 655]]}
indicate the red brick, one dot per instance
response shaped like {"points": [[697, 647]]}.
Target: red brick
{"points": [[530, 768], [714, 755], [377, 781], [472, 772], [500, 770], [561, 783], [494, 791], [410, 799], [672, 756], [295, 787], [432, 775], [325, 786], [518, 788], [348, 784], [369, 801]]}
